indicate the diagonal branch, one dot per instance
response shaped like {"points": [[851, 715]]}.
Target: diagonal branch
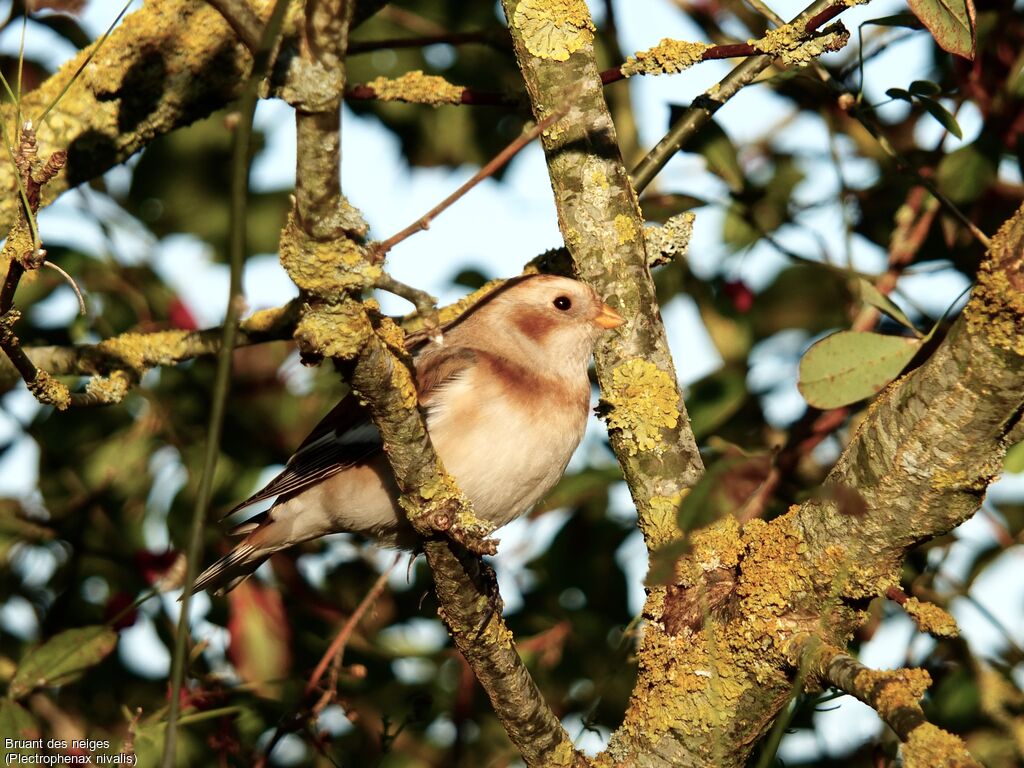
{"points": [[895, 696]]}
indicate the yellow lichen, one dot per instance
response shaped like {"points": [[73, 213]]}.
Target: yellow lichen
{"points": [[931, 747], [996, 308], [49, 391], [697, 680], [626, 228], [336, 330], [391, 334], [669, 56], [643, 400], [266, 320], [931, 618], [139, 351], [554, 29], [892, 690], [417, 88], [658, 523], [19, 242], [324, 269], [790, 45], [109, 389], [718, 545], [669, 241]]}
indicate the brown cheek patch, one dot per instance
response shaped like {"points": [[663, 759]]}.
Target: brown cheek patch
{"points": [[535, 325], [526, 387]]}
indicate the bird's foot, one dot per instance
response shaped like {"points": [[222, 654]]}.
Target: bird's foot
{"points": [[466, 530]]}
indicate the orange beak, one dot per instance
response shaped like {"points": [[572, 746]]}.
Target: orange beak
{"points": [[608, 318]]}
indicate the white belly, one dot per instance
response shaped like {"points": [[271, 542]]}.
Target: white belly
{"points": [[505, 455]]}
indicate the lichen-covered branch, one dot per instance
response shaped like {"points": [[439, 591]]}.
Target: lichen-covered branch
{"points": [[165, 66], [132, 354], [895, 695], [603, 230], [322, 250], [701, 110], [920, 461]]}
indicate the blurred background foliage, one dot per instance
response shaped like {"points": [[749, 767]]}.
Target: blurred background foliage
{"points": [[116, 484]]}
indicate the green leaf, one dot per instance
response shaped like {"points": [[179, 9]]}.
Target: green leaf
{"points": [[940, 113], [899, 93], [951, 23], [660, 208], [1014, 461], [17, 723], [908, 20], [965, 174], [869, 294], [62, 659], [851, 365], [925, 88]]}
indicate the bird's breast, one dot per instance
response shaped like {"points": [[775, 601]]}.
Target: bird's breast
{"points": [[505, 447]]}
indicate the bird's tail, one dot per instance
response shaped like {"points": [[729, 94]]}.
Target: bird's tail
{"points": [[240, 563], [231, 570]]}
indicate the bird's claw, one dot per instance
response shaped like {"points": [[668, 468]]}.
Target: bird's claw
{"points": [[472, 534]]}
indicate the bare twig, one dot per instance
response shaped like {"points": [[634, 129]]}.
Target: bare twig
{"points": [[243, 19], [74, 286], [381, 249], [702, 109], [336, 651], [222, 383], [303, 712]]}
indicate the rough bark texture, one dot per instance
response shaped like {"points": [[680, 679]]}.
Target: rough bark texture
{"points": [[603, 229], [924, 454], [165, 66]]}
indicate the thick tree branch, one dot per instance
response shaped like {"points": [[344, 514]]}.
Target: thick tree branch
{"points": [[920, 461], [600, 221]]}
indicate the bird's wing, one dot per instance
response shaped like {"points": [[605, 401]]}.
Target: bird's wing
{"points": [[346, 436]]}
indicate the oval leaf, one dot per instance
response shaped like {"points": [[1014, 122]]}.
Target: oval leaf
{"points": [[940, 113], [951, 23], [851, 365], [869, 294], [899, 93], [62, 658], [925, 88]]}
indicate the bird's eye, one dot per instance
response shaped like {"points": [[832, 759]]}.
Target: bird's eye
{"points": [[562, 303]]}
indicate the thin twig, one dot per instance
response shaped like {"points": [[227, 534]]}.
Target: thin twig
{"points": [[700, 112], [380, 250], [333, 656], [222, 383], [242, 19], [74, 286]]}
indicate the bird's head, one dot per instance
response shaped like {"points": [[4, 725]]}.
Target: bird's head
{"points": [[550, 318]]}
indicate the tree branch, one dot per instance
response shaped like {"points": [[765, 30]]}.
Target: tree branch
{"points": [[181, 54], [895, 696], [702, 109], [369, 351]]}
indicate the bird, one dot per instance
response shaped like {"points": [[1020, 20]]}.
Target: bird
{"points": [[505, 395]]}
